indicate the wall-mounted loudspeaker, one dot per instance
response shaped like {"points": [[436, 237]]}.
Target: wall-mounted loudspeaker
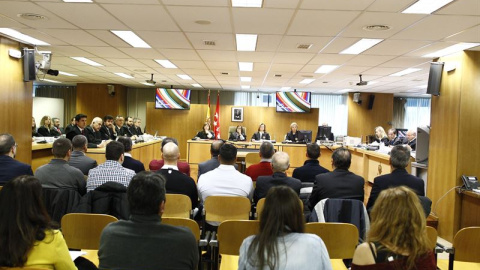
{"points": [[356, 98], [371, 99], [28, 64], [111, 90]]}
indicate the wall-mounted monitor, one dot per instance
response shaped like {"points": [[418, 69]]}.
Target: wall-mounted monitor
{"points": [[172, 99], [293, 102], [435, 78]]}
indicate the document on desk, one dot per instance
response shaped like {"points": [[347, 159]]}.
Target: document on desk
{"points": [[76, 254]]}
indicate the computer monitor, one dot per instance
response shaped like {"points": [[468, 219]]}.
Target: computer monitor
{"points": [[402, 132], [305, 136], [324, 133], [423, 141]]}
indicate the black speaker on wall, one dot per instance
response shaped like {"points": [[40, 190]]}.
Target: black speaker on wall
{"points": [[371, 99], [28, 65]]}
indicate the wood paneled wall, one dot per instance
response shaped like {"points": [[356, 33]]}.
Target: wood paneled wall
{"points": [[94, 100], [454, 149], [362, 121], [183, 125], [16, 100]]}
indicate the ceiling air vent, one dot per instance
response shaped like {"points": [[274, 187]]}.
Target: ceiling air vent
{"points": [[224, 73], [209, 43], [376, 27], [32, 16], [304, 46], [278, 75]]}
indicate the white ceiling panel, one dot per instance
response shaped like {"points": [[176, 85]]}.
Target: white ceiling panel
{"points": [[147, 17], [261, 20], [223, 42], [286, 67], [190, 64], [186, 17], [335, 20], [331, 59], [396, 47], [226, 66], [339, 44], [469, 35], [9, 23], [138, 2], [336, 5], [265, 57], [295, 58], [167, 40], [142, 53], [125, 62], [105, 52], [268, 43], [369, 60], [208, 3], [405, 62], [75, 37], [290, 43], [68, 51], [211, 55], [461, 7], [390, 5], [174, 54], [280, 3]]}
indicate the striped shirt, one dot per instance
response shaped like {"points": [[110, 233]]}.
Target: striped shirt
{"points": [[110, 171]]}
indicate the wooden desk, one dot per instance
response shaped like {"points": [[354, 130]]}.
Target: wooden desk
{"points": [[92, 255], [470, 211], [41, 154]]}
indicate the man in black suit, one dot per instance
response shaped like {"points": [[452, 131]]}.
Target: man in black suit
{"points": [[78, 159], [56, 129], [339, 184], [9, 167], [399, 160], [393, 138], [412, 139], [280, 163], [119, 124], [177, 182], [108, 129], [212, 163], [70, 126], [93, 134], [129, 162], [136, 125], [129, 129], [311, 167], [79, 128]]}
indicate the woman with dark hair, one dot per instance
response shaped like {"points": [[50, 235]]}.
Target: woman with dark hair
{"points": [[261, 134], [397, 238], [238, 134], [45, 128], [206, 133], [281, 243], [28, 238]]}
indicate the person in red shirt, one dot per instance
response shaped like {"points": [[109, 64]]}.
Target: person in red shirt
{"points": [[265, 165], [157, 164]]}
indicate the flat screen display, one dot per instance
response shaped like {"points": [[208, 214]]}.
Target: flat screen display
{"points": [[293, 102], [172, 99], [435, 78]]}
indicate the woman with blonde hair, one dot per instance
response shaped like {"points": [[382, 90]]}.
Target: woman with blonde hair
{"points": [[380, 135], [45, 128], [397, 238], [293, 134]]}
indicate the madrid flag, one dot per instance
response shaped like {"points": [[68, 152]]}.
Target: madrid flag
{"points": [[216, 119]]}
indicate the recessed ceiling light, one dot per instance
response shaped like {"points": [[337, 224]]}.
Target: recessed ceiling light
{"points": [[131, 38], [246, 43], [67, 74], [124, 75], [183, 76], [196, 85], [452, 49], [326, 68], [52, 81], [245, 86], [245, 66], [247, 3], [203, 22], [307, 81], [344, 91], [285, 88], [165, 63], [361, 46], [22, 37], [426, 6], [245, 79], [149, 84], [87, 61], [405, 72]]}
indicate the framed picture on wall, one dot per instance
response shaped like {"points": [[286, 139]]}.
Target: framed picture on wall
{"points": [[237, 114]]}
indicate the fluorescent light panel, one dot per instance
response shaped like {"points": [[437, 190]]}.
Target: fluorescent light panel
{"points": [[196, 85], [245, 79], [67, 74], [452, 49], [247, 3], [405, 72], [246, 43], [165, 63], [245, 66], [344, 91], [183, 76], [285, 88], [87, 61], [326, 68], [149, 84], [22, 37], [361, 46], [426, 6], [245, 86], [131, 38], [52, 81], [77, 1], [307, 81], [126, 76]]}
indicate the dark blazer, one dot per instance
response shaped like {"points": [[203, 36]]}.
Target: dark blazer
{"points": [[180, 183], [399, 177], [118, 130], [264, 183], [68, 128], [383, 140], [11, 168], [74, 131], [127, 131], [339, 184], [308, 171], [235, 136], [56, 131], [256, 136], [203, 135], [45, 132], [396, 141], [413, 144], [82, 162], [138, 131], [292, 137], [133, 164], [107, 133], [209, 165], [93, 137]]}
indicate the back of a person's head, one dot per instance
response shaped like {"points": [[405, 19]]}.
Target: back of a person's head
{"points": [[398, 218], [170, 152], [280, 162], [342, 158], [79, 142], [127, 143], [61, 147], [6, 143], [267, 150], [24, 219], [282, 214], [167, 140], [400, 157], [145, 193], [228, 154], [114, 150], [313, 151], [215, 147]]}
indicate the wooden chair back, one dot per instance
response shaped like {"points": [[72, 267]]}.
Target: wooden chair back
{"points": [[467, 245], [231, 234], [251, 158], [185, 222], [221, 208], [177, 205], [432, 237], [338, 247], [22, 268], [82, 231], [261, 204]]}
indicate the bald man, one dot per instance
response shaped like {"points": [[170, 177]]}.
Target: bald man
{"points": [[280, 163], [177, 182], [412, 139]]}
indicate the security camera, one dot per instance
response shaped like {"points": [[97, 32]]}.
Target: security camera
{"points": [[45, 63]]}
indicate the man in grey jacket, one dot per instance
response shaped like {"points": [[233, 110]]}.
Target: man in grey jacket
{"points": [[78, 158]]}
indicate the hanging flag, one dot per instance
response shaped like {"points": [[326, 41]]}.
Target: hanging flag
{"points": [[207, 118], [216, 119]]}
